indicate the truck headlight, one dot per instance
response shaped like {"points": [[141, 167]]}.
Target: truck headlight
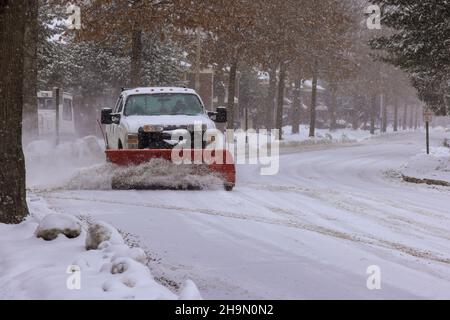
{"points": [[153, 128]]}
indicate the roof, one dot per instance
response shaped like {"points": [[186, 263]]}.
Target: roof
{"points": [[307, 85], [49, 94], [153, 90], [321, 108]]}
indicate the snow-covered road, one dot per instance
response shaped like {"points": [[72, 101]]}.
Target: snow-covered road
{"points": [[309, 232]]}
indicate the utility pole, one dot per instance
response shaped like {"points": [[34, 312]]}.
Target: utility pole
{"points": [[56, 95], [198, 60], [246, 123], [395, 114]]}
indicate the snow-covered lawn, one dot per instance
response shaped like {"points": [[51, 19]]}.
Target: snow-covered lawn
{"points": [[32, 268]]}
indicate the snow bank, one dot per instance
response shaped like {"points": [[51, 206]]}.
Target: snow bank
{"points": [[432, 169], [325, 136], [322, 137], [32, 268], [100, 232]]}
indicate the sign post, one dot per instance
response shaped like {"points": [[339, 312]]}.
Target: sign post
{"points": [[428, 117], [56, 95]]}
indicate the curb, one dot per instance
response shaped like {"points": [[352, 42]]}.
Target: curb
{"points": [[426, 181]]}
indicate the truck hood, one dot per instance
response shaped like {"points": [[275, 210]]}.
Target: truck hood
{"points": [[133, 123]]}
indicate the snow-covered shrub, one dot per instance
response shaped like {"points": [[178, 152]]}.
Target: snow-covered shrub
{"points": [[346, 139], [136, 254], [120, 265], [100, 233], [128, 275], [55, 224]]}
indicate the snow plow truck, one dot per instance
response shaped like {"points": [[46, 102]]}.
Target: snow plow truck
{"points": [[142, 125]]}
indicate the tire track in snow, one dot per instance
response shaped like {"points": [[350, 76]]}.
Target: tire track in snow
{"points": [[359, 239], [350, 203]]}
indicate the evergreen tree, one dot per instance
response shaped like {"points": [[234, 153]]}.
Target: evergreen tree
{"points": [[420, 45]]}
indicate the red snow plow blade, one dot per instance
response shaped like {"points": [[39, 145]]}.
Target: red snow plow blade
{"points": [[217, 161]]}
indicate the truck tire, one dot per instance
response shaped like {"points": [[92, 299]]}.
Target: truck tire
{"points": [[229, 186]]}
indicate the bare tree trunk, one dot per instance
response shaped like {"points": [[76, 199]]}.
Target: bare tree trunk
{"points": [[13, 205], [271, 97], [396, 114], [373, 113], [281, 89], [136, 58], [416, 121], [384, 119], [405, 116], [333, 107], [297, 106], [221, 98], [355, 120], [312, 124], [355, 114], [232, 93], [411, 118], [30, 105]]}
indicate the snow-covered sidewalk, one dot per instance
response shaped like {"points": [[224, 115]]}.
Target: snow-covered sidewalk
{"points": [[327, 137], [63, 268]]}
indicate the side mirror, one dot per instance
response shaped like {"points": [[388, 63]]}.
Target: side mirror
{"points": [[221, 116], [106, 116], [212, 115], [115, 118]]}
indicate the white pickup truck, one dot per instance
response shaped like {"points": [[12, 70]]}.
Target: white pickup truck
{"points": [[160, 110]]}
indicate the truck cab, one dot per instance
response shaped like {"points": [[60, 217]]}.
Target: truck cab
{"points": [[159, 110]]}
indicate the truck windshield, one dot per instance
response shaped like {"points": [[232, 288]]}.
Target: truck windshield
{"points": [[163, 104]]}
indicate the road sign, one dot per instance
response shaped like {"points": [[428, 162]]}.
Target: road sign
{"points": [[428, 115]]}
